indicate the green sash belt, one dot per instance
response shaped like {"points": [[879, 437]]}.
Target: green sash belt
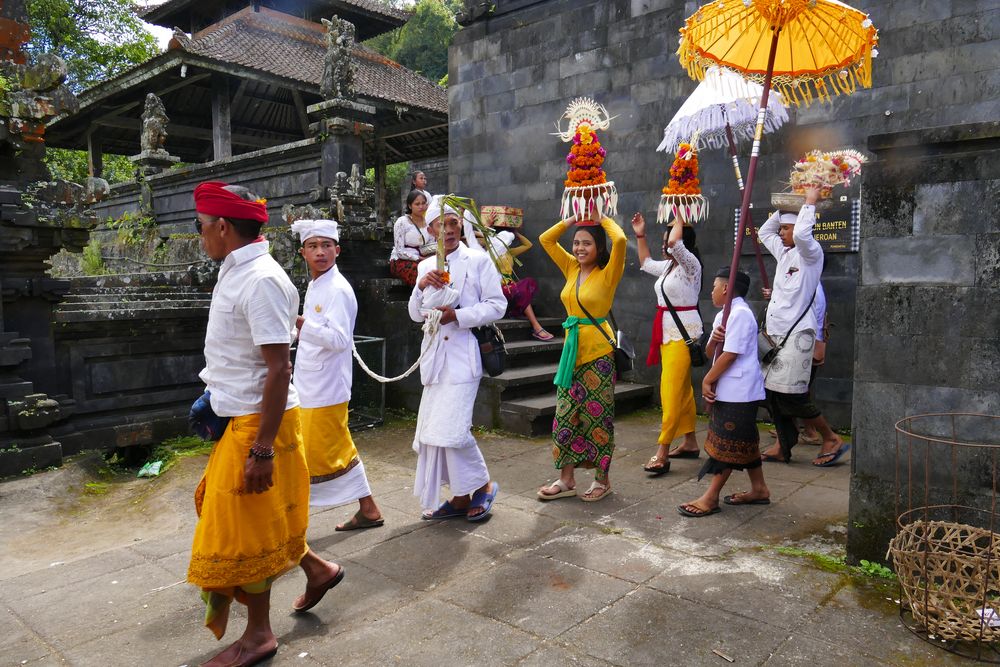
{"points": [[567, 362]]}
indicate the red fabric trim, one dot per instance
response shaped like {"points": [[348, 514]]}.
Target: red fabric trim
{"points": [[211, 198]]}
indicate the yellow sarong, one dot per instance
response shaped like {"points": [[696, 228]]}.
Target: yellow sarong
{"points": [[676, 394], [330, 450], [243, 541]]}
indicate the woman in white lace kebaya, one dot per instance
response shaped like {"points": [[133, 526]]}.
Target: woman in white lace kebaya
{"points": [[678, 278], [411, 239]]}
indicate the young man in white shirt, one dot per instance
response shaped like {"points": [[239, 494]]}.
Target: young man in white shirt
{"points": [[323, 374], [733, 389], [252, 501], [791, 324]]}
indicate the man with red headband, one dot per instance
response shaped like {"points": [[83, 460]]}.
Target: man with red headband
{"points": [[253, 499]]}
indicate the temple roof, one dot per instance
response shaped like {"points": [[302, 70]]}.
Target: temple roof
{"points": [[370, 17], [272, 63]]}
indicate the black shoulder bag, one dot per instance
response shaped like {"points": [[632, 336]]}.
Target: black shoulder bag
{"points": [[695, 349], [492, 348], [623, 348], [766, 346]]}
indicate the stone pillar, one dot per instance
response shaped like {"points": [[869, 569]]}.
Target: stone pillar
{"points": [[926, 314], [381, 195], [222, 139]]}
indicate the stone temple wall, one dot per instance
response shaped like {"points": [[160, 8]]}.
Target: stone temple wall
{"points": [[928, 323], [511, 75]]}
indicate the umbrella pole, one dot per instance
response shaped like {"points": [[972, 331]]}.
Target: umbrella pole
{"points": [[739, 182], [751, 172]]}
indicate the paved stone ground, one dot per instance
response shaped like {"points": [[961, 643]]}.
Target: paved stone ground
{"points": [[92, 567]]}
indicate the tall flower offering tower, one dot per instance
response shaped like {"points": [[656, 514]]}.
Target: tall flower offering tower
{"points": [[588, 194], [682, 197]]}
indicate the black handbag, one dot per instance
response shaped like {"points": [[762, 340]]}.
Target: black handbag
{"points": [[766, 347], [694, 346], [624, 351], [492, 348]]}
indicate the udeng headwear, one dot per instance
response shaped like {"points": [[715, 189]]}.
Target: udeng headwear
{"points": [[587, 186], [434, 209], [307, 229], [787, 219], [682, 197], [211, 198]]}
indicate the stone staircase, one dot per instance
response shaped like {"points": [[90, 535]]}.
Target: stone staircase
{"points": [[522, 400], [524, 396]]}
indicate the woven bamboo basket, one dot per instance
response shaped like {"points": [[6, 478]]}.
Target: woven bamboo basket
{"points": [[791, 201], [948, 573]]}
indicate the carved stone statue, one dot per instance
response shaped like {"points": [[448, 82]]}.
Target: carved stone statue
{"points": [[154, 125], [338, 65], [356, 182]]}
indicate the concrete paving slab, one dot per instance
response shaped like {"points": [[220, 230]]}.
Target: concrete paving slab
{"points": [[548, 656], [430, 633], [509, 525], [539, 595], [652, 628], [56, 574]]}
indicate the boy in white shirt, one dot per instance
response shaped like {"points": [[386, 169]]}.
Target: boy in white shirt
{"points": [[733, 387], [323, 375]]}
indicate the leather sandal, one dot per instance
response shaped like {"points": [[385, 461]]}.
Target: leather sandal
{"points": [[657, 465]]}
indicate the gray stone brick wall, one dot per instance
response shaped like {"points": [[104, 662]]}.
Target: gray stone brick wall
{"points": [[512, 74]]}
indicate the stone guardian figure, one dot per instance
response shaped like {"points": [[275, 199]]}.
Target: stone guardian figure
{"points": [[338, 66]]}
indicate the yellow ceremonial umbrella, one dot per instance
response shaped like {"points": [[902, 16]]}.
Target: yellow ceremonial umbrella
{"points": [[804, 49]]}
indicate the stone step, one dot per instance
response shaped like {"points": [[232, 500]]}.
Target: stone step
{"points": [[531, 352], [519, 378], [533, 415]]}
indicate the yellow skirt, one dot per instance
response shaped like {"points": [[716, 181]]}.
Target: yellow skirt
{"points": [[330, 450], [676, 394], [244, 541]]}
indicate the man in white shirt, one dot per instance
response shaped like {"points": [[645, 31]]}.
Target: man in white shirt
{"points": [[791, 326], [468, 295], [323, 374], [252, 501]]}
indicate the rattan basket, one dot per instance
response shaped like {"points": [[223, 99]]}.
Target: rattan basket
{"points": [[948, 573]]}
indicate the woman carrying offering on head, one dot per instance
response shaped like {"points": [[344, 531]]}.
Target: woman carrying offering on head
{"points": [[678, 282], [583, 428], [411, 239]]}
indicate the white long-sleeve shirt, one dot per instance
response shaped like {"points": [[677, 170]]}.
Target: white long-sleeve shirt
{"points": [[323, 362], [796, 276], [682, 286], [480, 302]]}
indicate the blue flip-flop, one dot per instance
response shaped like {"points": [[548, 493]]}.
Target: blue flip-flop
{"points": [[446, 511], [484, 500], [834, 456]]}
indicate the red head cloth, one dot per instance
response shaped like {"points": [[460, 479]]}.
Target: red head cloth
{"points": [[211, 198]]}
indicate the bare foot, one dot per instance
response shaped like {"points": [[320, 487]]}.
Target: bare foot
{"points": [[244, 652], [773, 453]]}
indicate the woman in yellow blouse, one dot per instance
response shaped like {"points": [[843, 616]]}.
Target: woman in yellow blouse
{"points": [[583, 429]]}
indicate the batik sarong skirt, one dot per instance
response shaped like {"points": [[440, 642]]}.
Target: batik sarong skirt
{"points": [[404, 269], [733, 440], [519, 295], [583, 431]]}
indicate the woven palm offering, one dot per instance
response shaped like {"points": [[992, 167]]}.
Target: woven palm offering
{"points": [[950, 576]]}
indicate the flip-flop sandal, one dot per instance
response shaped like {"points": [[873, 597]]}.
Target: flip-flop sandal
{"points": [[326, 587], [656, 470], [446, 511], [770, 458], [587, 498], [484, 500], [834, 456], [697, 513], [678, 453], [803, 440], [359, 522], [731, 500], [564, 491], [542, 335]]}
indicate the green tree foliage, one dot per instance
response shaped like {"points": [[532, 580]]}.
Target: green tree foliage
{"points": [[72, 166], [422, 44], [98, 39]]}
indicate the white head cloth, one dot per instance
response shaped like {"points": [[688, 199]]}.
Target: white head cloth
{"points": [[434, 209], [787, 219], [505, 237], [306, 229]]}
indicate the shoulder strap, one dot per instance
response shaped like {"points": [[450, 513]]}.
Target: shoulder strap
{"points": [[673, 313], [591, 317], [808, 307]]}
